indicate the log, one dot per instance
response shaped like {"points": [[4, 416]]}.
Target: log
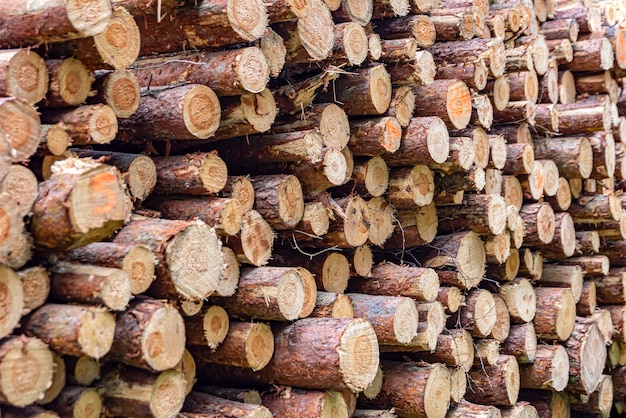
{"points": [[414, 390], [583, 117], [425, 141], [487, 352], [591, 55], [92, 285], [563, 243], [448, 185], [36, 287], [483, 214], [369, 177], [415, 227], [255, 241], [496, 385], [520, 159], [549, 370], [375, 137], [88, 124], [137, 392], [564, 276], [57, 21], [594, 209], [149, 334], [599, 402], [229, 73], [331, 270], [539, 223], [489, 49], [468, 409], [174, 244], [292, 402], [248, 345], [23, 74], [555, 320], [209, 327], [54, 139], [520, 299], [572, 155], [82, 370], [192, 174], [73, 330], [21, 184], [461, 157], [473, 74], [451, 95], [394, 318], [198, 404], [521, 343], [454, 348], [587, 355], [272, 293], [279, 199], [521, 409], [499, 92], [547, 403], [119, 90], [77, 401], [479, 316], [410, 187], [20, 135], [389, 279], [332, 305], [315, 221]]}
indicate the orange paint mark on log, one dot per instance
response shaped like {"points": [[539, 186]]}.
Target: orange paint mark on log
{"points": [[101, 183], [460, 103], [391, 133]]}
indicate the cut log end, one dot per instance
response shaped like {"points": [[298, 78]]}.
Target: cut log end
{"points": [[96, 333], [122, 93], [257, 239], [355, 43], [316, 31], [248, 18], [334, 127], [141, 177], [335, 273], [459, 104], [201, 111], [163, 338], [118, 44], [26, 75], [89, 17], [253, 70], [20, 124], [358, 355], [215, 323], [102, 125], [259, 346], [380, 89]]}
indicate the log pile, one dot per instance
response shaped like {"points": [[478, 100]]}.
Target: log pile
{"points": [[340, 208]]}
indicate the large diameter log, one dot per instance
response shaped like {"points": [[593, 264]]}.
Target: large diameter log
{"points": [[414, 390], [33, 24], [19, 131], [592, 55], [249, 345], [190, 262], [198, 404], [496, 385], [597, 208], [128, 391], [23, 74], [73, 330], [93, 285], [272, 293], [150, 335], [191, 174], [185, 112], [315, 353], [587, 355], [390, 279], [228, 73], [549, 370], [293, 402], [425, 141], [584, 117], [483, 214], [90, 203], [394, 318], [556, 316], [451, 95]]}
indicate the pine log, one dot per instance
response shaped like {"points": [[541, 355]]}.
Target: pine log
{"points": [[332, 305], [498, 248], [520, 159], [88, 124], [521, 343], [591, 55], [229, 73], [415, 227], [128, 391], [21, 184], [499, 92], [519, 410], [331, 270], [598, 403], [489, 49], [26, 24], [93, 285], [597, 208], [519, 296], [565, 28], [370, 177], [473, 179], [150, 335], [425, 141], [604, 159], [198, 404], [194, 174], [292, 402], [188, 253], [272, 293], [414, 390], [416, 68], [455, 348], [389, 279], [36, 287], [539, 223], [375, 137], [23, 74], [82, 370], [410, 187], [538, 49], [467, 409], [549, 370], [461, 157], [402, 105], [19, 131], [315, 221], [610, 289], [573, 155], [557, 315], [587, 355], [496, 385], [451, 95], [77, 401], [479, 315], [483, 214], [251, 396], [119, 90], [73, 329], [563, 243], [564, 276], [473, 74], [54, 139], [279, 200], [584, 117], [486, 352], [547, 403], [209, 327], [255, 241], [247, 114], [501, 329]]}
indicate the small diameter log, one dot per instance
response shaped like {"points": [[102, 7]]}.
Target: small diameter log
{"points": [[417, 26], [58, 380], [593, 265], [520, 410], [599, 402], [314, 353], [366, 92], [563, 243], [369, 177], [13, 295], [520, 299], [604, 159], [425, 141], [587, 355], [449, 185], [23, 74], [479, 316], [583, 117], [36, 287], [330, 269], [207, 328], [229, 73], [278, 198], [457, 52], [198, 404], [496, 385], [474, 74], [82, 370], [483, 214], [93, 285], [332, 305], [247, 114], [591, 55], [562, 200], [272, 293], [509, 269], [451, 95], [119, 90], [95, 191], [539, 223], [464, 409], [416, 68], [451, 298], [415, 227], [549, 370], [255, 241], [150, 335], [414, 390], [352, 222], [77, 401], [521, 343], [449, 27], [394, 318], [611, 289], [503, 325], [293, 402], [402, 105], [565, 276], [374, 137], [455, 348], [533, 183], [556, 316], [547, 403], [128, 391], [390, 279], [248, 345], [520, 158], [498, 248], [597, 208], [88, 124], [487, 352], [187, 112], [411, 186], [54, 139], [192, 174], [73, 329], [190, 263], [19, 131], [461, 157], [499, 92]]}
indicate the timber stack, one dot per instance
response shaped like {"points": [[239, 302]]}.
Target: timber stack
{"points": [[314, 208]]}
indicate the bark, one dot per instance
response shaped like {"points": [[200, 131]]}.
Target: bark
{"points": [[539, 223], [451, 95], [457, 52], [150, 335], [468, 409], [416, 227], [583, 117], [483, 214], [331, 270], [479, 316], [591, 55], [425, 141], [199, 404], [454, 348], [375, 137], [389, 279], [247, 114], [293, 402], [418, 26], [332, 305], [547, 403], [473, 74], [402, 105], [255, 241], [279, 200], [587, 356]]}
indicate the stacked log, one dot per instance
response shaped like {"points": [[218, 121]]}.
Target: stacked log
{"points": [[317, 208]]}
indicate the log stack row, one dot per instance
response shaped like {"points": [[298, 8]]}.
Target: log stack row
{"points": [[318, 208]]}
